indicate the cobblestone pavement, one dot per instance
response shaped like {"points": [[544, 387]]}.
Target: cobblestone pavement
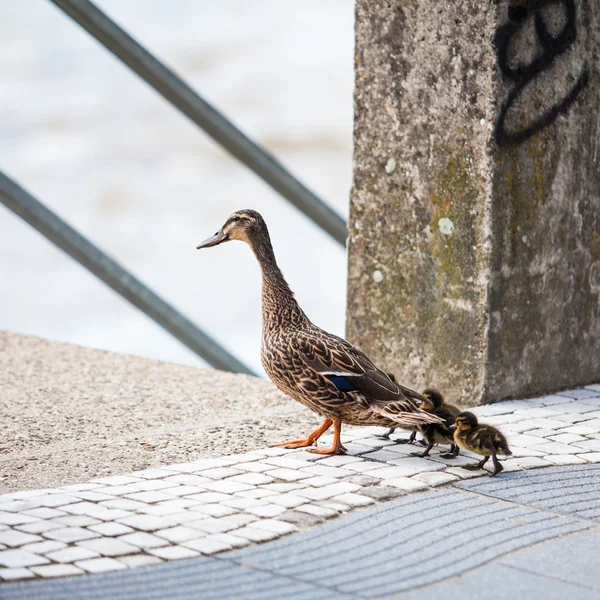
{"points": [[213, 505]]}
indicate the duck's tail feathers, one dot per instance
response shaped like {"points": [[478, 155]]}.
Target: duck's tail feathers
{"points": [[405, 413]]}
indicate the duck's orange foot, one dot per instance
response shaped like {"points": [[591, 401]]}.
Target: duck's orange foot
{"points": [[333, 450], [295, 444]]}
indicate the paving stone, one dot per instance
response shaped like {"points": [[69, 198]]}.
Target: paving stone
{"points": [[511, 464], [406, 483], [239, 520], [211, 463], [148, 522], [252, 478], [384, 455], [275, 451], [556, 448], [134, 561], [516, 452], [255, 535], [15, 574], [254, 467], [564, 459], [211, 525], [243, 503], [178, 503], [301, 519], [328, 491], [457, 461], [280, 527], [186, 516], [221, 472], [38, 526], [582, 429], [256, 494], [108, 546], [230, 539], [363, 467], [152, 473], [110, 529], [116, 480], [362, 480], [70, 534], [48, 571], [21, 558], [392, 472], [183, 490], [419, 464], [160, 510], [268, 511], [542, 433], [209, 497], [325, 471], [318, 511], [43, 547], [435, 478], [282, 488], [111, 514], [340, 460], [290, 500], [591, 401], [589, 445], [540, 412], [72, 554], [76, 521], [567, 438], [305, 455], [18, 505], [353, 500], [191, 480], [215, 510], [464, 473], [149, 497], [578, 394], [341, 507], [93, 496], [119, 504], [320, 481], [180, 533], [524, 441], [13, 538], [174, 552], [54, 500], [100, 565], [288, 474], [592, 457], [381, 492], [141, 539], [44, 513], [226, 486], [376, 443], [152, 485], [208, 545]]}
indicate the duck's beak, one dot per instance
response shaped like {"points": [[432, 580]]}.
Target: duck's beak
{"points": [[213, 240]]}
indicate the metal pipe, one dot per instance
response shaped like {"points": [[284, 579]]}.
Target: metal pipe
{"points": [[183, 97], [110, 272]]}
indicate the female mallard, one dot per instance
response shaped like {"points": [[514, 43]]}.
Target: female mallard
{"points": [[316, 368]]}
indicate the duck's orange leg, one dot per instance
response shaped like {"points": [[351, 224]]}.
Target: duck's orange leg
{"points": [[337, 447], [311, 439]]}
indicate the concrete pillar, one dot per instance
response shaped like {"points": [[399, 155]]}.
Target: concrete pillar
{"points": [[474, 251]]}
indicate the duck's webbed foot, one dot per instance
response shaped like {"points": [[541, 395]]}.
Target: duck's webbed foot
{"points": [[425, 452], [311, 440], [386, 435], [410, 440], [454, 450], [476, 467], [337, 447], [497, 466]]}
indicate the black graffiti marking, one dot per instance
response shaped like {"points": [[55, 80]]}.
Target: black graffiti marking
{"points": [[522, 75]]}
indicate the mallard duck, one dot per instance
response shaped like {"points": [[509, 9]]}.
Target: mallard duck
{"points": [[320, 370], [438, 433], [386, 435], [481, 439]]}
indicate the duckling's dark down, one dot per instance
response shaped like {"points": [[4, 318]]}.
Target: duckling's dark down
{"points": [[438, 433], [482, 439], [413, 435], [318, 369]]}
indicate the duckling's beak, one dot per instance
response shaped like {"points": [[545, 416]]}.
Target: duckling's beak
{"points": [[214, 240], [453, 427]]}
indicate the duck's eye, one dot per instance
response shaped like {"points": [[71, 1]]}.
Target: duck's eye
{"points": [[234, 219]]}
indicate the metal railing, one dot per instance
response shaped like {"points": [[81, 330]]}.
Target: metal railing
{"points": [[184, 98]]}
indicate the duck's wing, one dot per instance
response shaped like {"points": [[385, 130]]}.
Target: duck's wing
{"points": [[350, 370]]}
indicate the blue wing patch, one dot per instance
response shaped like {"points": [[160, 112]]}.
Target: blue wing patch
{"points": [[341, 383]]}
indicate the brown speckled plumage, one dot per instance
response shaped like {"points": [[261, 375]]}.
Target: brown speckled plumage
{"points": [[301, 359]]}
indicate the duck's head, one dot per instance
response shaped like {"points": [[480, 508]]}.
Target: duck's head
{"points": [[466, 421], [434, 400], [244, 225]]}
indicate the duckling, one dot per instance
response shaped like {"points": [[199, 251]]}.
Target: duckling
{"points": [[321, 371], [386, 435], [438, 433], [481, 439]]}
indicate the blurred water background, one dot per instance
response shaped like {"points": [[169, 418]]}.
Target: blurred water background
{"points": [[110, 156]]}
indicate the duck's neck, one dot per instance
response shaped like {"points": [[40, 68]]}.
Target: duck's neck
{"points": [[279, 307]]}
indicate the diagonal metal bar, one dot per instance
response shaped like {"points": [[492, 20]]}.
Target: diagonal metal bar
{"points": [[110, 272], [183, 97]]}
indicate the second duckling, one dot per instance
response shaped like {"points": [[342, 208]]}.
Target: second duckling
{"points": [[482, 439], [438, 433]]}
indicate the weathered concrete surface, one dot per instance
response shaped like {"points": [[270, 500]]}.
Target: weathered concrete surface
{"points": [[474, 254], [69, 414]]}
